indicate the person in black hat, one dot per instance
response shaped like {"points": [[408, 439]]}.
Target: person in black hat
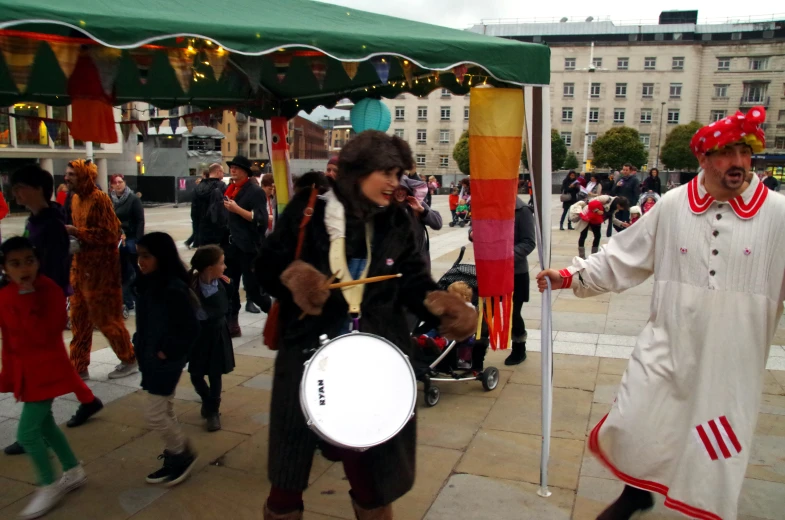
{"points": [[247, 206]]}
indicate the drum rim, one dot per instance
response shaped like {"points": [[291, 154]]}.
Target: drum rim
{"points": [[315, 427]]}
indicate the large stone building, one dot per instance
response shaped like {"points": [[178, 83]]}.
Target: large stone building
{"points": [[653, 77]]}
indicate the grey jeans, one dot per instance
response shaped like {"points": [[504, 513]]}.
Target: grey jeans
{"points": [[160, 417]]}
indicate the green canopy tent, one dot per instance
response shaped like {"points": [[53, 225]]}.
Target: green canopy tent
{"points": [[268, 58]]}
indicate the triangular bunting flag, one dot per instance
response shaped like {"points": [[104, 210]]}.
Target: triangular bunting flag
{"points": [[143, 59], [181, 62], [460, 72], [157, 124], [253, 68], [382, 67], [351, 68], [174, 122], [408, 70], [126, 130], [189, 123], [107, 61], [282, 62], [66, 54], [19, 54], [217, 58], [51, 127], [319, 69], [141, 126]]}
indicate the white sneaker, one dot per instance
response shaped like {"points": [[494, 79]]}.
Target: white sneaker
{"points": [[124, 370], [44, 499], [72, 479]]}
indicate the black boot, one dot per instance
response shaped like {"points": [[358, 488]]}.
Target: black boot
{"points": [[213, 416], [234, 327], [252, 308], [14, 449], [518, 354], [631, 501], [84, 412]]}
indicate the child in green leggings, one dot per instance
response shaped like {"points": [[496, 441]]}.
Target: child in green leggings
{"points": [[36, 368]]}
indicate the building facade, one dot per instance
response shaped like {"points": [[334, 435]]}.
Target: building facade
{"points": [[307, 140]]}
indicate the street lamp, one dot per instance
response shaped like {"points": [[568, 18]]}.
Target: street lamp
{"points": [[591, 68], [659, 139]]}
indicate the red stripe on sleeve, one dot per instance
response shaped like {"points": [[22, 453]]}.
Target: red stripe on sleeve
{"points": [[567, 278], [706, 442], [720, 441], [731, 433]]}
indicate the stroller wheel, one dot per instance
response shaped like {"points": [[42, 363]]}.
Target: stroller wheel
{"points": [[432, 396], [490, 378], [452, 224], [462, 223]]}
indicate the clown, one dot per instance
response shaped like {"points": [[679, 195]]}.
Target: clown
{"points": [[683, 419], [95, 273]]}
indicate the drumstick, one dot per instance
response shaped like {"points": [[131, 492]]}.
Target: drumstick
{"points": [[364, 281], [329, 281]]}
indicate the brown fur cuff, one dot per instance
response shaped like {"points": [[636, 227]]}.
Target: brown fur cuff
{"points": [[308, 286], [458, 320]]}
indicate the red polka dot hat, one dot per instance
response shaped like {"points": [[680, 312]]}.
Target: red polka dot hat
{"points": [[739, 127]]}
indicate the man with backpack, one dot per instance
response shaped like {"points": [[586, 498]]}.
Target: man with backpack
{"points": [[209, 217]]}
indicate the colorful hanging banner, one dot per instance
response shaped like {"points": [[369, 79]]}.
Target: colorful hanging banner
{"points": [[350, 67], [279, 154], [141, 127], [189, 123], [217, 59], [282, 62], [382, 67], [156, 122], [143, 58], [92, 114], [460, 72], [125, 129], [319, 70], [174, 122], [52, 127], [66, 54], [182, 64], [495, 141], [19, 54], [107, 61]]}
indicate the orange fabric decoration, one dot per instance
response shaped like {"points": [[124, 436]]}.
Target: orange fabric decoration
{"points": [[92, 115]]}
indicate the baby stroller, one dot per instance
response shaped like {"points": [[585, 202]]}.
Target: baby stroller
{"points": [[432, 363], [463, 217]]}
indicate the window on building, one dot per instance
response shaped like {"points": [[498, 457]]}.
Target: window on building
{"points": [[204, 145], [30, 131], [723, 63], [569, 89], [621, 90], [228, 127], [465, 113], [735, 36], [595, 90], [721, 91], [591, 138], [618, 115], [569, 63], [229, 146], [646, 116], [444, 136], [781, 116], [252, 133], [594, 115], [446, 93], [759, 63], [445, 113], [649, 63], [422, 113], [253, 150], [597, 62], [420, 159], [399, 113], [648, 90], [658, 37], [716, 115], [779, 143], [60, 139], [421, 136], [444, 161], [754, 93], [678, 63], [645, 139], [675, 90], [623, 63], [567, 138], [673, 116], [399, 133], [566, 115]]}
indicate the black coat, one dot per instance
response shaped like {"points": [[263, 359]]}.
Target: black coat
{"points": [[525, 241], [384, 307], [651, 183], [568, 187], [209, 218], [165, 322], [212, 353], [131, 216], [247, 235]]}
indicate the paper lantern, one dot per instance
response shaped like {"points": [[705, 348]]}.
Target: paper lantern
{"points": [[370, 114]]}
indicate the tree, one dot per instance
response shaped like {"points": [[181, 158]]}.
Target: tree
{"points": [[571, 162], [676, 153], [558, 152], [461, 153], [619, 146]]}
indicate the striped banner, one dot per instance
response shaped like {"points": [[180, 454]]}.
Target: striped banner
{"points": [[495, 140], [718, 438], [279, 156]]}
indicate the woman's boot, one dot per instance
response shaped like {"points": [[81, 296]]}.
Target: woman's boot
{"points": [[269, 515], [518, 354], [582, 252], [631, 501], [595, 250], [213, 417], [377, 513]]}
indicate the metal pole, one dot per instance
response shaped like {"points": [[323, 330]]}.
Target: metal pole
{"points": [[659, 138], [588, 104]]}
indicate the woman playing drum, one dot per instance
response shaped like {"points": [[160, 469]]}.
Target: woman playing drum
{"points": [[355, 232]]}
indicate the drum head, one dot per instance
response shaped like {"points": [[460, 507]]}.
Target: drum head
{"points": [[358, 391]]}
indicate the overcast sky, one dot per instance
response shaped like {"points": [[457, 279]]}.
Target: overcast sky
{"points": [[462, 14]]}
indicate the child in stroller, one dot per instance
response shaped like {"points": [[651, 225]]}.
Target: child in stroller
{"points": [[463, 212], [434, 359]]}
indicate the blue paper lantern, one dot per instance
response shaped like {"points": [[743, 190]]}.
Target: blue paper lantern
{"points": [[370, 114]]}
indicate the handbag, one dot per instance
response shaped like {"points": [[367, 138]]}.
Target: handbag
{"points": [[272, 327], [565, 197]]}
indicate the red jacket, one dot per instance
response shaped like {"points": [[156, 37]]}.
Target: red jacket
{"points": [[3, 207], [453, 201], [35, 362]]}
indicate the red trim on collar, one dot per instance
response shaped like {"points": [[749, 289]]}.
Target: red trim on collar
{"points": [[742, 210]]}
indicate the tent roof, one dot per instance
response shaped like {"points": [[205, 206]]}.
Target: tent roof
{"points": [[260, 36]]}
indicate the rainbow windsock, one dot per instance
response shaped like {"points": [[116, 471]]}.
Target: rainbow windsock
{"points": [[279, 156], [495, 141]]}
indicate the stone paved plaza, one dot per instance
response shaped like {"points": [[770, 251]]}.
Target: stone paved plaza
{"points": [[478, 451]]}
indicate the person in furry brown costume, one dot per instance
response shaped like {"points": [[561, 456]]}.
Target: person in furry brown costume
{"points": [[355, 222]]}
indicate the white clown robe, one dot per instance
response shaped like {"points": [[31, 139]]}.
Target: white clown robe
{"points": [[683, 420]]}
